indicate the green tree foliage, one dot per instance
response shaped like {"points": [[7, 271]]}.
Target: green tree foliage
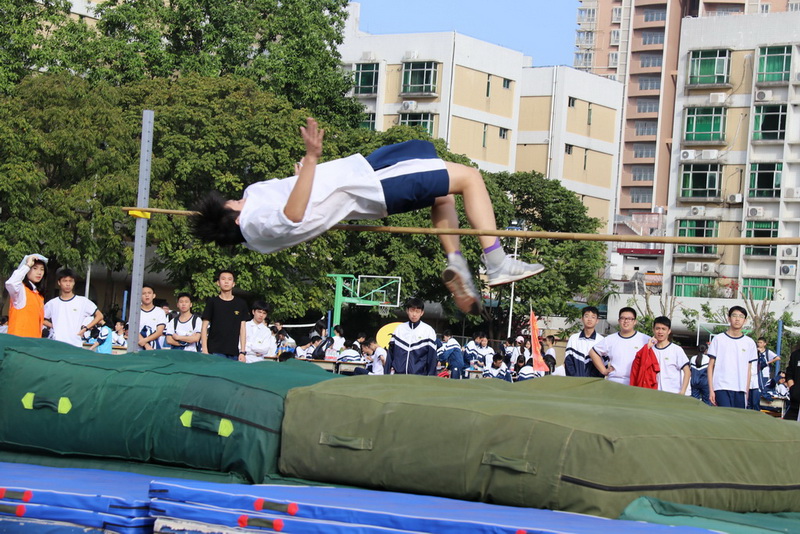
{"points": [[573, 267], [287, 47], [24, 28]]}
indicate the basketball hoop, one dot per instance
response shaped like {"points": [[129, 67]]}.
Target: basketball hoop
{"points": [[384, 309]]}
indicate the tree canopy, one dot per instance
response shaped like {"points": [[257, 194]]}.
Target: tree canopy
{"points": [[288, 47]]}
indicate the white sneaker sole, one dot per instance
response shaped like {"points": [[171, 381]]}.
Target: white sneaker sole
{"points": [[466, 302], [508, 279]]}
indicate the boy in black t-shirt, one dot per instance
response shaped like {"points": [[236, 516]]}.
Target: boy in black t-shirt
{"points": [[224, 319]]}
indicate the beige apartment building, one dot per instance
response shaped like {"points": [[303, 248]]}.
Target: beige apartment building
{"points": [[490, 105], [636, 43]]}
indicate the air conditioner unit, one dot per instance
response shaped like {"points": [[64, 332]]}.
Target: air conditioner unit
{"points": [[756, 211], [368, 56], [735, 198], [688, 155], [708, 267], [788, 269], [698, 211], [792, 192], [411, 54], [717, 98], [408, 105], [763, 96], [790, 252], [710, 154], [694, 267]]}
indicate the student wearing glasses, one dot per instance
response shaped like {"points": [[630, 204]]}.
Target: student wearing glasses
{"points": [[619, 349], [730, 355]]}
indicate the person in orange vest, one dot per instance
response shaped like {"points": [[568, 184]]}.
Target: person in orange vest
{"points": [[26, 289]]}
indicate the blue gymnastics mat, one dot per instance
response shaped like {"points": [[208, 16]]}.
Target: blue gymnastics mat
{"points": [[89, 498], [257, 507]]}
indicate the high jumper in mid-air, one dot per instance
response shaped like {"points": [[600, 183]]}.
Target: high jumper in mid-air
{"points": [[277, 214]]}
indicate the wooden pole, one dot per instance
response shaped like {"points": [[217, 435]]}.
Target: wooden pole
{"points": [[530, 234]]}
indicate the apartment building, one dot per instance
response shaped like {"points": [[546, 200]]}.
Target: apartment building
{"points": [[569, 124], [737, 156], [490, 105], [636, 43]]}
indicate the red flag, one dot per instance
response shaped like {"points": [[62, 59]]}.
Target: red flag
{"points": [[536, 347]]}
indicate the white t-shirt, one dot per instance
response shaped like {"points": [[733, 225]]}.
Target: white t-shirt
{"points": [[671, 360], [67, 317], [621, 352], [148, 323], [378, 359], [184, 329], [733, 357], [260, 341], [346, 188]]}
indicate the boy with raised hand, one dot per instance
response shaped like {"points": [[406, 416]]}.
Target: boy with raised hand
{"points": [[277, 214], [672, 360], [730, 355], [223, 332], [576, 357], [620, 349], [183, 331], [65, 314], [413, 347]]}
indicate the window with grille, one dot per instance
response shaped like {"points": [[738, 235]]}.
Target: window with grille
{"points": [[616, 15], [647, 105], [774, 63], [700, 180], [366, 79], [651, 60], [652, 38], [769, 122], [613, 59], [424, 120], [368, 122], [690, 286], [654, 15], [643, 173], [758, 288], [646, 127], [705, 124], [709, 67], [587, 14], [584, 59], [419, 77], [644, 150], [641, 195], [613, 38], [765, 180], [649, 83], [697, 228], [761, 229]]}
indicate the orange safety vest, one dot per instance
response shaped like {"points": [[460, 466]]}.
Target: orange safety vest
{"points": [[27, 321]]}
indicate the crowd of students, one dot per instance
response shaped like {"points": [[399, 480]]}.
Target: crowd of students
{"points": [[733, 370]]}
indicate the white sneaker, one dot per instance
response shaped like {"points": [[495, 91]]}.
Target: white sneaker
{"points": [[512, 270], [458, 279]]}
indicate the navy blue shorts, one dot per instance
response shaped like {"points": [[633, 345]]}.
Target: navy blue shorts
{"points": [[730, 399], [411, 174]]}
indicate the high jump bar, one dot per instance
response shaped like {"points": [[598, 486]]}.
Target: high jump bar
{"points": [[531, 234]]}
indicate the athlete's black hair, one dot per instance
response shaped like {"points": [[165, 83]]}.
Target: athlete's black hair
{"points": [[214, 222]]}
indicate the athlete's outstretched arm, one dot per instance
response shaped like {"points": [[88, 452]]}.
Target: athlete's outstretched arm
{"points": [[297, 202]]}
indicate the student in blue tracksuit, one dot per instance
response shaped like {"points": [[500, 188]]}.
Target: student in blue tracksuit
{"points": [[413, 347], [450, 353]]}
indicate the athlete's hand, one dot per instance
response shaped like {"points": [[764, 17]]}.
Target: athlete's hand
{"points": [[312, 138]]}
